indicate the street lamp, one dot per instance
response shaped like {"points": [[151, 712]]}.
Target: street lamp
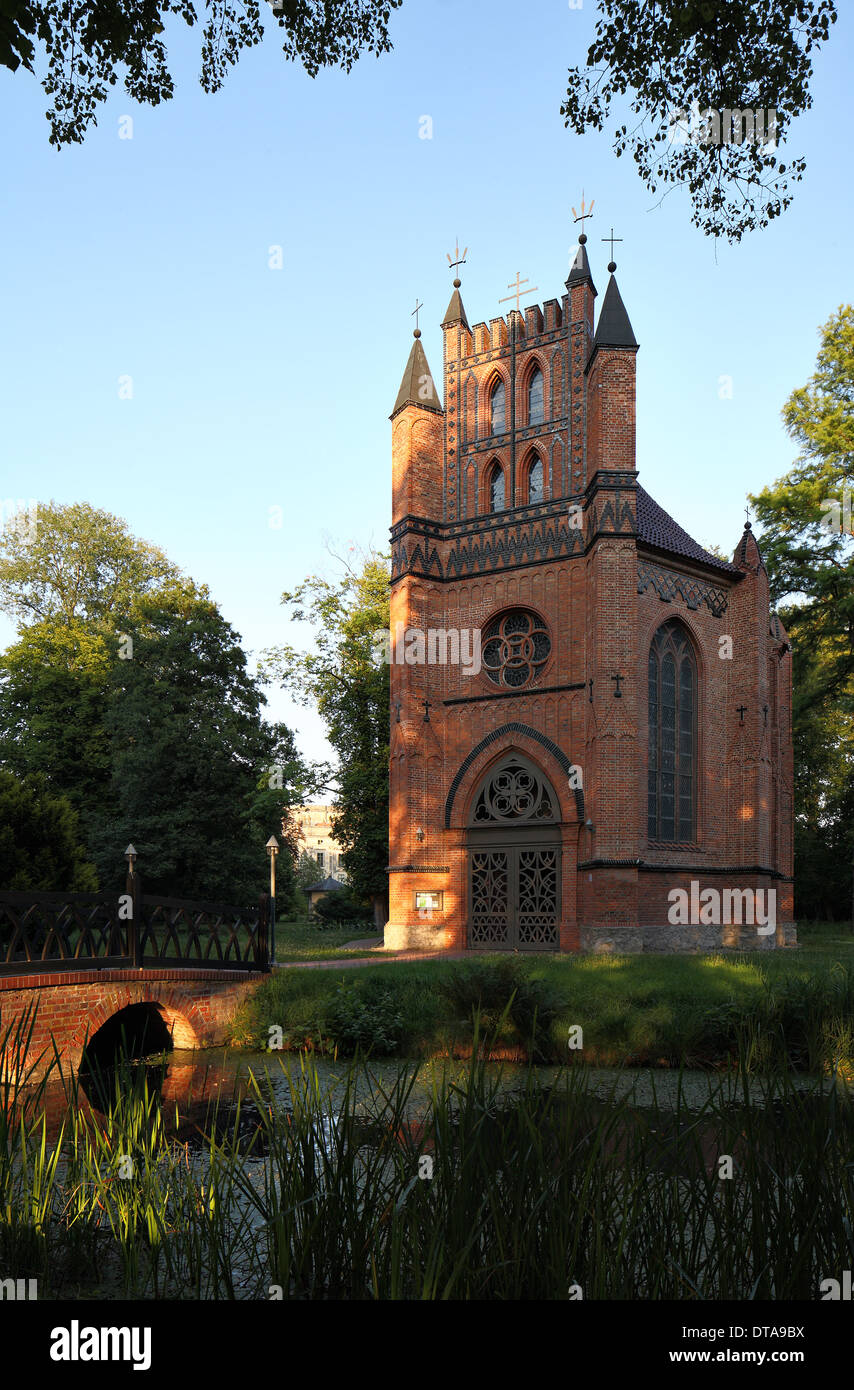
{"points": [[272, 848]]}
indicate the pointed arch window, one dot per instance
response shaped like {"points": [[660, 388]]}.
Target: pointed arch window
{"points": [[672, 767], [536, 398], [535, 480], [498, 408], [496, 488]]}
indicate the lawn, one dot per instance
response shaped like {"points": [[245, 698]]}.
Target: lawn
{"points": [[304, 940], [645, 1010]]}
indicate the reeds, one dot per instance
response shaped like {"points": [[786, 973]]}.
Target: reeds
{"points": [[482, 1185]]}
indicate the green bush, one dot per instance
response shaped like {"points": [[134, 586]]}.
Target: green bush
{"points": [[502, 991], [364, 1016], [342, 906]]}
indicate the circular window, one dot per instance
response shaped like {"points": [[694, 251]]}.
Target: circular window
{"points": [[515, 648]]}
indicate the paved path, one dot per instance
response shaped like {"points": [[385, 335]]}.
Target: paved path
{"points": [[381, 958]]}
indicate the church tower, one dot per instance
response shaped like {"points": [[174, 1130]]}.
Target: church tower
{"points": [[590, 714]]}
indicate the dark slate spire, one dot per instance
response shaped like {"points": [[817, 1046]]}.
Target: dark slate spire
{"points": [[614, 329], [580, 272], [417, 387], [455, 312]]}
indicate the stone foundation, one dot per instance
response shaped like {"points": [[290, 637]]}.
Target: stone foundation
{"points": [[623, 940]]}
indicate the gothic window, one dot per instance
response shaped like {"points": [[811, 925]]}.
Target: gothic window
{"points": [[536, 410], [535, 480], [496, 489], [497, 408], [515, 648], [672, 770], [515, 793]]}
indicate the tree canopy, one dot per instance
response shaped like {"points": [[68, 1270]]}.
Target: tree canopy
{"points": [[666, 55], [90, 44], [40, 846]]}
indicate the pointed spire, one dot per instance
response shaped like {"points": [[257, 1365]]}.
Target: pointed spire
{"points": [[614, 329], [455, 312], [417, 387], [747, 555], [580, 272]]}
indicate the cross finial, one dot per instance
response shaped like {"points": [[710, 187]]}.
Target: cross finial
{"points": [[582, 217], [612, 264], [461, 260], [417, 332], [517, 291], [747, 518]]}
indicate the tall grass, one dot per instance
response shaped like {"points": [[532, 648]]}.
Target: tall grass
{"points": [[480, 1187]]}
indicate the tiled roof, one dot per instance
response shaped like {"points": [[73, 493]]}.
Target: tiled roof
{"points": [[326, 885], [657, 528]]}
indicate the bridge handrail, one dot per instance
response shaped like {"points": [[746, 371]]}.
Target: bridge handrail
{"points": [[48, 931]]}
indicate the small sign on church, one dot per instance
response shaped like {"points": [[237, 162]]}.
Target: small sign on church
{"points": [[428, 901]]}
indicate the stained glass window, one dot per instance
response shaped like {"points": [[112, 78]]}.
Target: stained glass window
{"points": [[498, 408], [671, 770], [496, 489], [535, 481], [536, 398]]}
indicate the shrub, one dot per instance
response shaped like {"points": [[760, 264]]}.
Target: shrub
{"points": [[503, 990], [342, 906], [364, 1016]]}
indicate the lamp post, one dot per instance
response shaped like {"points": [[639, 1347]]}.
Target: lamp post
{"points": [[272, 848], [132, 891]]}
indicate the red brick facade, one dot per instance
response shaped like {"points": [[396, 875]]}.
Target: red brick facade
{"points": [[600, 567]]}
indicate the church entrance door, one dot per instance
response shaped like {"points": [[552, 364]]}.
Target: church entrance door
{"points": [[514, 861]]}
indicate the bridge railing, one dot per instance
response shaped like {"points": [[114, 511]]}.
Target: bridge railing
{"points": [[43, 933]]}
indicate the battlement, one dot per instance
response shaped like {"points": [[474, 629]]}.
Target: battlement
{"points": [[530, 323]]}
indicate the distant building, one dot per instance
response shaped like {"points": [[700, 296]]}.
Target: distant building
{"points": [[316, 839], [316, 891]]}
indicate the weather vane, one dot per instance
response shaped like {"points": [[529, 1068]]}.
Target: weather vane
{"points": [[461, 260], [612, 264], [583, 216], [517, 291]]}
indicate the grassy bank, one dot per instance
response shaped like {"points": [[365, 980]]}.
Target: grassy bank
{"points": [[694, 1011]]}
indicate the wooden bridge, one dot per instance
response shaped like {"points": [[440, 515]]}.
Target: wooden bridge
{"points": [[86, 957]]}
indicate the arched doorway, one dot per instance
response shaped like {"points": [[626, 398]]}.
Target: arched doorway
{"points": [[513, 844]]}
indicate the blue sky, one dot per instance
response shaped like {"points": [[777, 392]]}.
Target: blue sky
{"points": [[256, 388]]}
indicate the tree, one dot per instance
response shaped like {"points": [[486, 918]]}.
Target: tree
{"points": [[351, 692], [40, 847], [88, 45], [687, 65], [76, 563], [808, 550], [198, 780]]}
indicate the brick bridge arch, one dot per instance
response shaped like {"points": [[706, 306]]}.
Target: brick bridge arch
{"points": [[196, 1005]]}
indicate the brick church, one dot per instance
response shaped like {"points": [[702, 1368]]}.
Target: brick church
{"points": [[588, 710]]}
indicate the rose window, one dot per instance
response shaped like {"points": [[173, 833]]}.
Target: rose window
{"points": [[515, 648]]}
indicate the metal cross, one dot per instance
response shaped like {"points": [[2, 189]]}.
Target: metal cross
{"points": [[747, 515], [398, 707], [415, 310], [517, 291], [583, 216], [618, 694], [461, 260], [591, 692], [742, 710], [765, 709], [427, 708], [612, 239]]}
